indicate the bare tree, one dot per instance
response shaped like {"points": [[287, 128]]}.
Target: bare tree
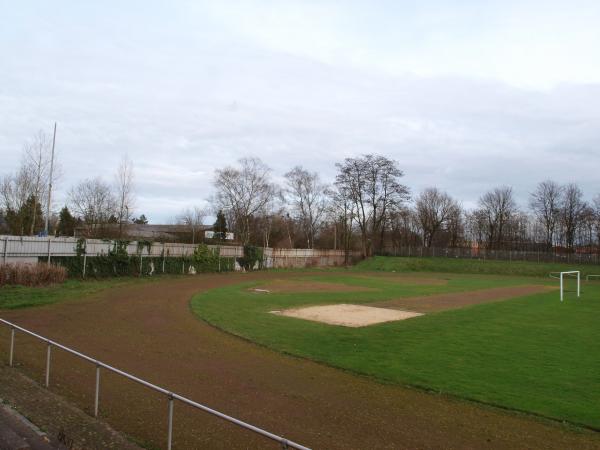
{"points": [[596, 206], [342, 212], [124, 192], [36, 161], [434, 209], [372, 184], [587, 226], [243, 192], [476, 227], [15, 191], [306, 195], [497, 207], [23, 193], [93, 201], [546, 202], [25, 190], [194, 219], [455, 225], [571, 211], [404, 228]]}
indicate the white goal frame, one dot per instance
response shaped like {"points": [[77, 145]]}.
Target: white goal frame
{"points": [[570, 272]]}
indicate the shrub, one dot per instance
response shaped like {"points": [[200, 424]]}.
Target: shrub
{"points": [[252, 255], [205, 259], [40, 274], [118, 263]]}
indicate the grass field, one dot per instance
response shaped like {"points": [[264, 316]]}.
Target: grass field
{"points": [[531, 353], [475, 266]]}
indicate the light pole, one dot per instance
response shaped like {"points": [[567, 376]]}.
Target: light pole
{"points": [[50, 182]]}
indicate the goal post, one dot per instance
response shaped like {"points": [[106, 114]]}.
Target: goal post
{"points": [[570, 272]]}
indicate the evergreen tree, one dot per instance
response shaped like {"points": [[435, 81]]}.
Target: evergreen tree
{"points": [[220, 226], [22, 221], [142, 220], [3, 224], [66, 223]]}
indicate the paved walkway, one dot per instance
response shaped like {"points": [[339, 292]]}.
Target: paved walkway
{"points": [[17, 433], [64, 426]]}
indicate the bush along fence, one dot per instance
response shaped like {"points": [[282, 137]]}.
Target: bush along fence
{"points": [[31, 274], [118, 262], [111, 257]]}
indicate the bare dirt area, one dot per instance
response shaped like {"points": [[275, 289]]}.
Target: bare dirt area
{"points": [[347, 315], [440, 302], [150, 331], [298, 286]]}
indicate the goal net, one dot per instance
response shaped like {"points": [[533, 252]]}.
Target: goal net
{"points": [[565, 275]]}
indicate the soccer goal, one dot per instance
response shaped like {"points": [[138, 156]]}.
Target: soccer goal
{"points": [[569, 274]]}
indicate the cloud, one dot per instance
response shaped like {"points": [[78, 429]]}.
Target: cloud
{"points": [[187, 89]]}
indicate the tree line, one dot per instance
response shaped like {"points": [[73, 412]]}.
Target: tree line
{"points": [[366, 208], [93, 203]]}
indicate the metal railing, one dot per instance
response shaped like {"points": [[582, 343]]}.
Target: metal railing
{"points": [[171, 396]]}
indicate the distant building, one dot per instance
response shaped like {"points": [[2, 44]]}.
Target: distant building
{"points": [[209, 234], [150, 232]]}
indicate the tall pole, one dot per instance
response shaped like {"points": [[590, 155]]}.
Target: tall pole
{"points": [[50, 182]]}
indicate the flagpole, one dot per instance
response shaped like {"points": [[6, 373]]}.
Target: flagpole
{"points": [[50, 182]]}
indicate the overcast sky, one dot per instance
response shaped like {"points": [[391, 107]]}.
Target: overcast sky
{"points": [[465, 95]]}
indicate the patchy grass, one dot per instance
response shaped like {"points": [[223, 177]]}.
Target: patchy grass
{"points": [[532, 353]]}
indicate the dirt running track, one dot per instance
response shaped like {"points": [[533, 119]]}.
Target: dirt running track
{"points": [[149, 330]]}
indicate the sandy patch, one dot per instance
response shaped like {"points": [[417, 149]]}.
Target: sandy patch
{"points": [[347, 315], [461, 299], [294, 286]]}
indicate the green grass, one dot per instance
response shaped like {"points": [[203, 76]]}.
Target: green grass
{"points": [[17, 297], [531, 354], [475, 266]]}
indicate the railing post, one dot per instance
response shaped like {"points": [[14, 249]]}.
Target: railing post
{"points": [[170, 425], [97, 395], [12, 347], [48, 365]]}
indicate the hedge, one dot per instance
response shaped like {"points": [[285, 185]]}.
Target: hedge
{"points": [[119, 263]]}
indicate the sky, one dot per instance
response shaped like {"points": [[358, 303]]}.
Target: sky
{"points": [[464, 95]]}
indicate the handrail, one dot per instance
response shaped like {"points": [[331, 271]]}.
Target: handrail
{"points": [[285, 443]]}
